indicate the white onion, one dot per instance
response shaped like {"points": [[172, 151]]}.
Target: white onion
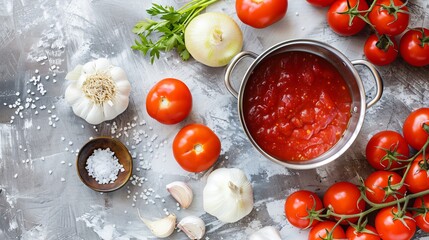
{"points": [[213, 39]]}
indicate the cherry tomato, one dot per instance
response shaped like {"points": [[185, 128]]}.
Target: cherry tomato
{"points": [[390, 19], [413, 130], [298, 205], [389, 228], [417, 178], [377, 184], [260, 13], [339, 22], [380, 51], [169, 101], [321, 230], [422, 218], [196, 147], [352, 234], [388, 140], [414, 47], [320, 3], [342, 198]]}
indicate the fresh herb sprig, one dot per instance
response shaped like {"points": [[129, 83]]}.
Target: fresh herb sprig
{"points": [[168, 32]]}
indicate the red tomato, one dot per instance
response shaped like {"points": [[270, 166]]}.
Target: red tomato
{"points": [[320, 3], [391, 141], [169, 101], [389, 228], [390, 19], [298, 205], [196, 147], [339, 22], [414, 47], [260, 13], [342, 198], [413, 130], [352, 234], [380, 51], [422, 218], [417, 178], [377, 186], [321, 230]]}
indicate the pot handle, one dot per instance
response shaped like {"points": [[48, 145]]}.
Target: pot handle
{"points": [[234, 61], [377, 78]]}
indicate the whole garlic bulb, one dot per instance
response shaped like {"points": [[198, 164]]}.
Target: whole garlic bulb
{"points": [[228, 195], [98, 91]]}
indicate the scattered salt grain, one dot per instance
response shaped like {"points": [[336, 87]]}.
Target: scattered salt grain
{"points": [[63, 179], [103, 166], [16, 175], [50, 172]]}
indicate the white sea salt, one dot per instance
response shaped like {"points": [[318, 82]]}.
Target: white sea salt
{"points": [[103, 166]]}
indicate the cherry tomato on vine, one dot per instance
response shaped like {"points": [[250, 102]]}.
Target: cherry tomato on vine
{"points": [[261, 13], [389, 18], [388, 140], [417, 178], [380, 51], [413, 130], [169, 101], [321, 230], [389, 227], [414, 47], [196, 147], [422, 217], [320, 3], [339, 21], [344, 198], [377, 185], [369, 234], [298, 205]]}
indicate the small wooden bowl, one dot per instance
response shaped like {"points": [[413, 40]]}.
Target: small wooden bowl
{"points": [[121, 152]]}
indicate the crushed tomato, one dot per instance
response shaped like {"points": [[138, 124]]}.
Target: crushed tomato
{"points": [[296, 105]]}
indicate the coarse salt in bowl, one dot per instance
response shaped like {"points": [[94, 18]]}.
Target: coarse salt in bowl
{"points": [[104, 164]]}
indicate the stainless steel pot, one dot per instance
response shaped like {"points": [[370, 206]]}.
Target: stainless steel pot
{"points": [[350, 75]]}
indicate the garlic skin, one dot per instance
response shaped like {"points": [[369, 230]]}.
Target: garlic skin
{"points": [[161, 228], [181, 192], [228, 195], [98, 91], [194, 227], [266, 233]]}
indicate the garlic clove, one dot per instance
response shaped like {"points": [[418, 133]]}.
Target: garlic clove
{"points": [[194, 227], [181, 192], [161, 228], [266, 233]]}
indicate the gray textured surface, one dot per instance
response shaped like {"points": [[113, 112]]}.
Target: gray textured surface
{"points": [[37, 205]]}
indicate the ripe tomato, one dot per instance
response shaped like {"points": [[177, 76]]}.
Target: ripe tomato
{"points": [[391, 141], [342, 198], [413, 130], [260, 13], [377, 185], [417, 178], [380, 51], [320, 3], [298, 205], [196, 147], [414, 47], [352, 234], [422, 218], [339, 22], [321, 230], [390, 18], [169, 101], [389, 228]]}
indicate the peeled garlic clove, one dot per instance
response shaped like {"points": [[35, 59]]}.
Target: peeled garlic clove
{"points": [[181, 192], [194, 227], [161, 228], [266, 233]]}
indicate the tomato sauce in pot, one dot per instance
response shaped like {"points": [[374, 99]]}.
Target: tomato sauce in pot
{"points": [[296, 105]]}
